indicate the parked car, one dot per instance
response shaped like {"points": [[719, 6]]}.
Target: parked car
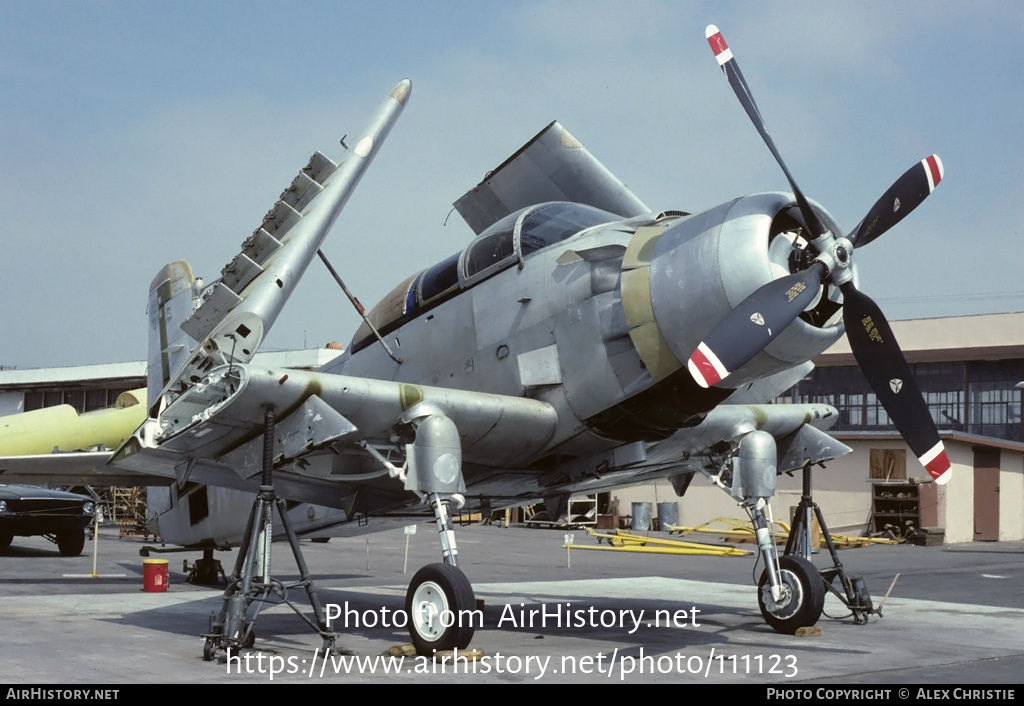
{"points": [[61, 517]]}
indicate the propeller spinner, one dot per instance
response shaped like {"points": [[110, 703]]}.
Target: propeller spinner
{"points": [[761, 317]]}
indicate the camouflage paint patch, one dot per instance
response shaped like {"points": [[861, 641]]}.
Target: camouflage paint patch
{"points": [[568, 141], [409, 395], [640, 250], [654, 350], [636, 297], [760, 416]]}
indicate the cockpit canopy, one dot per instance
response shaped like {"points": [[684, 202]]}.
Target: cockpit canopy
{"points": [[507, 242]]}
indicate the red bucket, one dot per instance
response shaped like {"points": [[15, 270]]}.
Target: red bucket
{"points": [[154, 575]]}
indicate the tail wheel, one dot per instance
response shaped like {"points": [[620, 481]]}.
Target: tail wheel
{"points": [[803, 596], [439, 605]]}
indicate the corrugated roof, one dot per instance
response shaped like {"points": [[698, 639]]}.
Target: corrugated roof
{"points": [[308, 358], [980, 337]]}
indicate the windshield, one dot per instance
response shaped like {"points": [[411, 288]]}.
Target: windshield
{"points": [[555, 222]]}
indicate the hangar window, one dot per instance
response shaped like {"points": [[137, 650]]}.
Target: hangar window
{"points": [[75, 398], [95, 399], [82, 399]]}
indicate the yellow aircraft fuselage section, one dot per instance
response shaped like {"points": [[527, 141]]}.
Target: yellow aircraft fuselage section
{"points": [[41, 431]]}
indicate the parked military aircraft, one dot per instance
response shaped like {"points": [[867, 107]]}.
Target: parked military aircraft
{"points": [[578, 343]]}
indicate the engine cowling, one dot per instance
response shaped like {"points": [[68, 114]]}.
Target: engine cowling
{"points": [[702, 266]]}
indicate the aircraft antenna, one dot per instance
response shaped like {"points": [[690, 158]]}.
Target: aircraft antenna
{"points": [[359, 307]]}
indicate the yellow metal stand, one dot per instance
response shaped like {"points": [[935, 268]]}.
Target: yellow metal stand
{"points": [[626, 542]]}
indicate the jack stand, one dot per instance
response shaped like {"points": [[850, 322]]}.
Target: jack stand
{"points": [[250, 581], [855, 594], [207, 571]]}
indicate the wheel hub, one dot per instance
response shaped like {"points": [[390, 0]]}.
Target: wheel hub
{"points": [[429, 606], [789, 597]]}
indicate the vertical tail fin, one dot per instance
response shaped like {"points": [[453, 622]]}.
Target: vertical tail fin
{"points": [[171, 301]]}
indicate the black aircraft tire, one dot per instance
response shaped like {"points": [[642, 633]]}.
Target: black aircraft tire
{"points": [[807, 596], [71, 542], [438, 607]]}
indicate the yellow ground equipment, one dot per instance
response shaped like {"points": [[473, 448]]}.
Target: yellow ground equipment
{"points": [[741, 531], [625, 542]]}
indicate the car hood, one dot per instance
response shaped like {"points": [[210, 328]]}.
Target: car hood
{"points": [[32, 492]]}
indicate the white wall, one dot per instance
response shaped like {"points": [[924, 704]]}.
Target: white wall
{"points": [[1011, 496]]}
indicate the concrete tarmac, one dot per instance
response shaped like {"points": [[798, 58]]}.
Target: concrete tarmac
{"points": [[955, 616]]}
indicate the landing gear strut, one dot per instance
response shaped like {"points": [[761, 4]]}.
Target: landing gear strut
{"points": [[440, 600], [790, 592], [250, 582]]}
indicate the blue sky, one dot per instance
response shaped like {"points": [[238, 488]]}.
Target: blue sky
{"points": [[136, 133]]}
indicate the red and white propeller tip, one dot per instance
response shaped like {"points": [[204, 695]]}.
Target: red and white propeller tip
{"points": [[718, 45], [936, 462], [705, 367]]}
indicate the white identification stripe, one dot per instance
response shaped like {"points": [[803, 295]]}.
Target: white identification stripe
{"points": [[930, 455]]}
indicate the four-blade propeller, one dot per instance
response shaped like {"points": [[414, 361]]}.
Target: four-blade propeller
{"points": [[755, 322]]}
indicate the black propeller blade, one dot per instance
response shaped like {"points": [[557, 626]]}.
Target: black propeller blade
{"points": [[757, 320], [752, 325], [903, 196], [739, 86], [882, 362]]}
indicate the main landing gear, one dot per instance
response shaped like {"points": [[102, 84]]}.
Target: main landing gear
{"points": [[440, 603], [791, 590]]}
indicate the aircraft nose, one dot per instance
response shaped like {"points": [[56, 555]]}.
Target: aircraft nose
{"points": [[679, 280]]}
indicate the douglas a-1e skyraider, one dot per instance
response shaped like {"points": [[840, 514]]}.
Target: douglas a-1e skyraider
{"points": [[580, 342]]}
